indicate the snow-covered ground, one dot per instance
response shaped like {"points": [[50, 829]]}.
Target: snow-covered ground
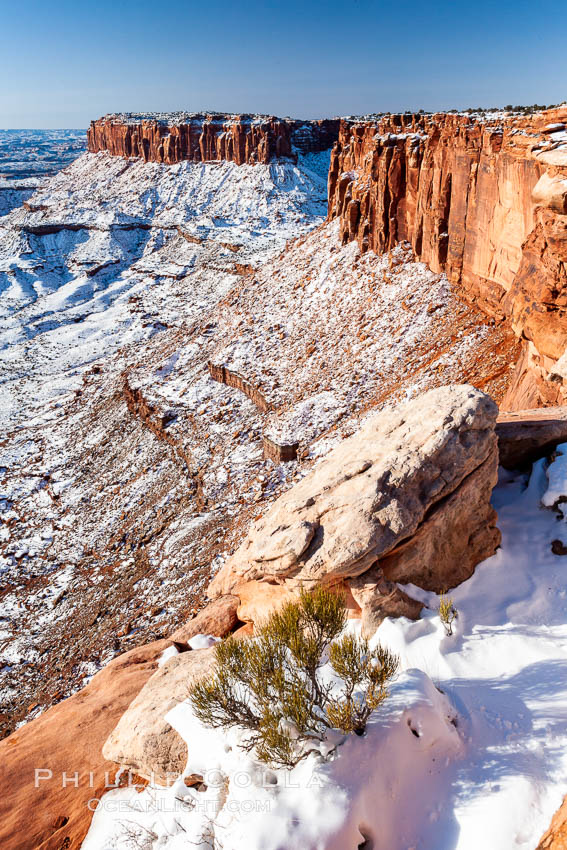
{"points": [[469, 751], [104, 231], [113, 264], [28, 157], [123, 277]]}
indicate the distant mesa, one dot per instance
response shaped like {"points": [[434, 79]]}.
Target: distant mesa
{"points": [[172, 137]]}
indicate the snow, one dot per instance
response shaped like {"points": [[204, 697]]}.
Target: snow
{"points": [[120, 226], [202, 641], [122, 267], [557, 479], [469, 751], [113, 264], [168, 653]]}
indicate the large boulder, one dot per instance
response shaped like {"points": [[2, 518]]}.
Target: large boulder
{"points": [[143, 741], [408, 493]]}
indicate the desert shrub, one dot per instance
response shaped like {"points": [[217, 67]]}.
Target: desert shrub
{"points": [[272, 688], [448, 613]]}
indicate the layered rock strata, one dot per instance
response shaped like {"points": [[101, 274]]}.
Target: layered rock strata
{"points": [[206, 137], [407, 497], [485, 202]]}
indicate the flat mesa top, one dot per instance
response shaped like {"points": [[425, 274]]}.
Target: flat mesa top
{"points": [[185, 117]]}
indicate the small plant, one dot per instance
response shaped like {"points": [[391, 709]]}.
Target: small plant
{"points": [[271, 686], [448, 613]]}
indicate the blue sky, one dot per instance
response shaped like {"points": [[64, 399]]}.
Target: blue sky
{"points": [[63, 62]]}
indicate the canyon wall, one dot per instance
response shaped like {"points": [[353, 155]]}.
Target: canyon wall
{"points": [[198, 137], [485, 201]]}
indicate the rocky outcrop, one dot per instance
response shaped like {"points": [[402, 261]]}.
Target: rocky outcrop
{"points": [[408, 495], [193, 136], [379, 598], [208, 137], [484, 202], [218, 618], [525, 435], [279, 452], [143, 741], [50, 809], [556, 836], [232, 379]]}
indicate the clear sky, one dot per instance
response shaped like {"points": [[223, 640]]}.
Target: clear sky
{"points": [[63, 62]]}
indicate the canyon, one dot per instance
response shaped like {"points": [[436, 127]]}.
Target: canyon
{"points": [[28, 157], [206, 319]]}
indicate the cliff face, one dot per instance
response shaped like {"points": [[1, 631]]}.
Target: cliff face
{"points": [[484, 202], [208, 137]]}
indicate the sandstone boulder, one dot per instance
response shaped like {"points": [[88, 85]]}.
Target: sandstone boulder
{"points": [[556, 157], [409, 492], [459, 533], [65, 744], [143, 741], [551, 191], [218, 618], [259, 598]]}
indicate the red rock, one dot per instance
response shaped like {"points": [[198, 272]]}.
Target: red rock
{"points": [[67, 740], [208, 137], [483, 203], [556, 836], [218, 618]]}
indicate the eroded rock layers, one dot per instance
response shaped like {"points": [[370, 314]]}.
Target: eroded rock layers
{"points": [[484, 202], [209, 137]]}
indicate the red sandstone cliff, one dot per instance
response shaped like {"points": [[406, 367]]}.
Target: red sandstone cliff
{"points": [[208, 137], [484, 202]]}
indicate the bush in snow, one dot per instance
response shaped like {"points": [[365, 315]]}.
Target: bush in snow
{"points": [[272, 688], [448, 613]]}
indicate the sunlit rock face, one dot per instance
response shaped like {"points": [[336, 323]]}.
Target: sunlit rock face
{"points": [[207, 137], [482, 199]]}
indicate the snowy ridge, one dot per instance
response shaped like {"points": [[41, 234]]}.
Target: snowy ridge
{"points": [[106, 229]]}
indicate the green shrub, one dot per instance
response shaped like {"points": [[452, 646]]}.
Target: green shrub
{"points": [[272, 688]]}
